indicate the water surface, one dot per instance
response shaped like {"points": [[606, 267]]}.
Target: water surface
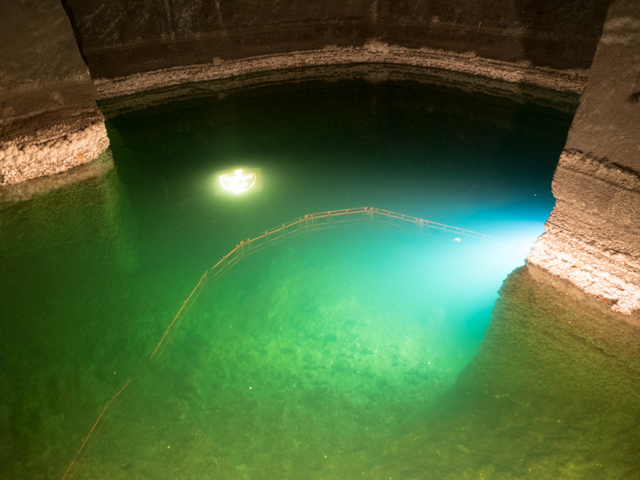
{"points": [[310, 358]]}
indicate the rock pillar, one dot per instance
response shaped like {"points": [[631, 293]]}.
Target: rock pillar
{"points": [[49, 120], [593, 234]]}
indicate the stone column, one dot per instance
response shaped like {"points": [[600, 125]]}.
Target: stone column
{"points": [[49, 120], [593, 234]]}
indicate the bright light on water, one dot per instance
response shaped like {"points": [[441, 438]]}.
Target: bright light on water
{"points": [[237, 181]]}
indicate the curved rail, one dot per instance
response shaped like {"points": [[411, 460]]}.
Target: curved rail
{"points": [[314, 221]]}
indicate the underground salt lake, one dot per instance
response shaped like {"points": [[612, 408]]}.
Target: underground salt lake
{"points": [[366, 349]]}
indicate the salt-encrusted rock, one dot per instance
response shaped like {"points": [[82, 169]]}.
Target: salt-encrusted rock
{"points": [[596, 220], [49, 119]]}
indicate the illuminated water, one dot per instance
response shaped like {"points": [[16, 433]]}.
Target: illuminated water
{"points": [[318, 357]]}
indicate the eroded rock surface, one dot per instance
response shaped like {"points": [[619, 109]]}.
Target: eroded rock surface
{"points": [[593, 234], [120, 38], [49, 120]]}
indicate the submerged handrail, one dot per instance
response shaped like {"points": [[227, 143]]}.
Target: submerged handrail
{"points": [[310, 222], [316, 221]]}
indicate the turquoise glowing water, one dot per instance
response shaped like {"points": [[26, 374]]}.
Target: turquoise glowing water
{"points": [[308, 358]]}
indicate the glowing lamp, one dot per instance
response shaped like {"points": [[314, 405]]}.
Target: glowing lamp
{"points": [[237, 181]]}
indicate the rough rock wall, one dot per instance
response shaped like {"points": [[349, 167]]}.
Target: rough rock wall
{"points": [[593, 235], [374, 62], [49, 120], [558, 34], [121, 37]]}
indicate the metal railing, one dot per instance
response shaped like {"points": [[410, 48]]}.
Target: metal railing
{"points": [[311, 222]]}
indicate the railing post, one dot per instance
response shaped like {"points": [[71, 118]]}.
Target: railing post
{"points": [[369, 213]]}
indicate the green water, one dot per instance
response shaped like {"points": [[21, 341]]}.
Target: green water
{"points": [[318, 358]]}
